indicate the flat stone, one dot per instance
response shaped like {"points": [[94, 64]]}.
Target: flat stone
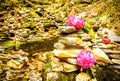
{"points": [[116, 61], [59, 45], [60, 65], [107, 46], [66, 29], [52, 76], [111, 51], [69, 67], [82, 77], [70, 40], [116, 66], [115, 56], [70, 60], [66, 53], [101, 56], [56, 64]]}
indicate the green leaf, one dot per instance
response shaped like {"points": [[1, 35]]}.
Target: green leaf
{"points": [[86, 29], [89, 72]]}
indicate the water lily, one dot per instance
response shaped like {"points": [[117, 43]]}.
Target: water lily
{"points": [[76, 22], [85, 59]]}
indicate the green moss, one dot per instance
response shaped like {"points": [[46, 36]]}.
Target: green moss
{"points": [[38, 46], [107, 74], [67, 76], [8, 44], [31, 46]]}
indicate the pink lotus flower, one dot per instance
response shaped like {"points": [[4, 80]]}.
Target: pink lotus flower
{"points": [[76, 22], [85, 59]]}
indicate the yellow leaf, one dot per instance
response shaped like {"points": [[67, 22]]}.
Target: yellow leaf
{"points": [[92, 33]]}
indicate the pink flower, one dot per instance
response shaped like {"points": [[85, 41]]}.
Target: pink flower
{"points": [[76, 22], [85, 59]]}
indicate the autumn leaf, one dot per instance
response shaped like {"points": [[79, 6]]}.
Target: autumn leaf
{"points": [[92, 33]]}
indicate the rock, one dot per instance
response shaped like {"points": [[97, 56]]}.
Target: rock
{"points": [[34, 75], [70, 60], [69, 67], [56, 64], [66, 53], [116, 66], [82, 77], [15, 64], [52, 76], [111, 35], [63, 46], [66, 29], [2, 48], [114, 56], [107, 46], [111, 51], [70, 40], [9, 75], [59, 45], [101, 56], [38, 45], [116, 61]]}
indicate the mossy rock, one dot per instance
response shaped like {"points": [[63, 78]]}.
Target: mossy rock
{"points": [[31, 46], [38, 46], [107, 74]]}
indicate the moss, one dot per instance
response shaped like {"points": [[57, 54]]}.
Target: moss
{"points": [[67, 76], [31, 46], [107, 74], [38, 46], [8, 44]]}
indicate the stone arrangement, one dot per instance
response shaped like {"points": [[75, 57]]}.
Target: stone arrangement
{"points": [[36, 43]]}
